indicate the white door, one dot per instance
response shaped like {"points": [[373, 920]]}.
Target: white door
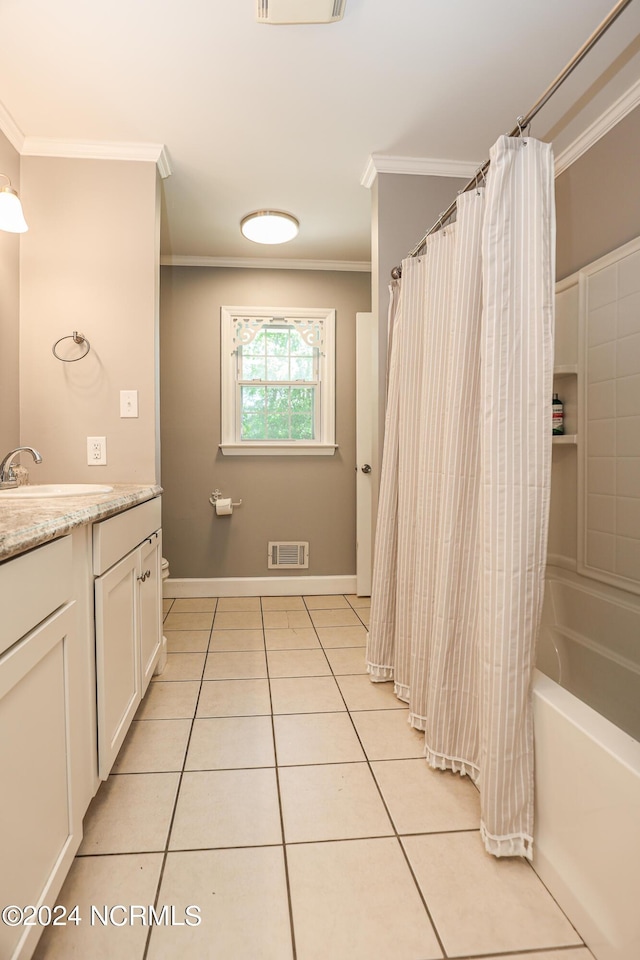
{"points": [[366, 400]]}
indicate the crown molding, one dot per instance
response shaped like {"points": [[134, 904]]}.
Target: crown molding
{"points": [[418, 166], [381, 163], [605, 122], [98, 150], [266, 263], [11, 130]]}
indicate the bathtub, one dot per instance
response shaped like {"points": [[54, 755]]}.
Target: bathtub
{"points": [[587, 779]]}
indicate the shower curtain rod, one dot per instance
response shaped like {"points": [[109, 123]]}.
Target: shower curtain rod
{"points": [[523, 122]]}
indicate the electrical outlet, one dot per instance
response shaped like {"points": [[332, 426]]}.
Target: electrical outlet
{"points": [[96, 451], [128, 403]]}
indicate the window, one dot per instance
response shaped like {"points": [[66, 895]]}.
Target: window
{"points": [[278, 381]]}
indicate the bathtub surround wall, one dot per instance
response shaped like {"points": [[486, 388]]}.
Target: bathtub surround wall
{"points": [[9, 313], [90, 262], [288, 498], [591, 620], [609, 496]]}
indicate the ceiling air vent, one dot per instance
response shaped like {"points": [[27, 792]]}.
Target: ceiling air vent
{"points": [[292, 555], [300, 11]]}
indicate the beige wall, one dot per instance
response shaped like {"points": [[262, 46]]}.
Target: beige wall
{"points": [[284, 498], [9, 313], [90, 263], [598, 198]]}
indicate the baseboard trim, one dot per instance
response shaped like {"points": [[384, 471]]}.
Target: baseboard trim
{"points": [[257, 586]]}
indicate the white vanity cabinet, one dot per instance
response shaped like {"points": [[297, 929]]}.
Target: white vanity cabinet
{"points": [[128, 613], [40, 822]]}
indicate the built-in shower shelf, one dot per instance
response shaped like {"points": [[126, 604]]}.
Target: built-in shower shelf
{"points": [[565, 383]]}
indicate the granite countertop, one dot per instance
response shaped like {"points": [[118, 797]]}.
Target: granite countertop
{"points": [[25, 524]]}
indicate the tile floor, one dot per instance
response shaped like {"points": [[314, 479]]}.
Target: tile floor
{"points": [[268, 782]]}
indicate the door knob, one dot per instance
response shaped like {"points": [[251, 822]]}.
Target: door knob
{"points": [[365, 468]]}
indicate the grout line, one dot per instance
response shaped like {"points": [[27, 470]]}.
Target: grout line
{"points": [[175, 802], [288, 766], [117, 853], [560, 908], [280, 810], [289, 843], [523, 952], [373, 836], [396, 834]]}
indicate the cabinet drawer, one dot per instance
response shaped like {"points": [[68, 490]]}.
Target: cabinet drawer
{"points": [[117, 536], [32, 586]]}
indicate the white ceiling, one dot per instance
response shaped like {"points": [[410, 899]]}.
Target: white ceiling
{"points": [[287, 117]]}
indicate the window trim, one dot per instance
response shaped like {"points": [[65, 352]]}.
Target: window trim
{"points": [[231, 445]]}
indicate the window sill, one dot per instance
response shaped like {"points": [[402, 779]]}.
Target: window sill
{"points": [[278, 449]]}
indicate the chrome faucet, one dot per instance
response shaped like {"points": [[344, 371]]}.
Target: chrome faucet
{"points": [[7, 476]]}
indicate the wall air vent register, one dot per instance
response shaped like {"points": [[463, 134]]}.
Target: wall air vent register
{"points": [[300, 11], [294, 556]]}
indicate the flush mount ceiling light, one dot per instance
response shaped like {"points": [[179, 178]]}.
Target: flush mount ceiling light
{"points": [[269, 226], [11, 216]]}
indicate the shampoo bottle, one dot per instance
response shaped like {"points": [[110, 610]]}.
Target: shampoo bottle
{"points": [[558, 416]]}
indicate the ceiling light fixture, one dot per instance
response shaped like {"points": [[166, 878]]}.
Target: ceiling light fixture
{"points": [[269, 226], [11, 216]]}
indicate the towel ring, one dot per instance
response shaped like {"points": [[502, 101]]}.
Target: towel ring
{"points": [[77, 338]]}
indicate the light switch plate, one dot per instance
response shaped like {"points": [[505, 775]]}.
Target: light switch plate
{"points": [[96, 451], [128, 403]]}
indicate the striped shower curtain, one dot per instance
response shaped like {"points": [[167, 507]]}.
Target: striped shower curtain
{"points": [[461, 536]]}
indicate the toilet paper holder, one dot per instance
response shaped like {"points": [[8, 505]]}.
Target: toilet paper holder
{"points": [[218, 495]]}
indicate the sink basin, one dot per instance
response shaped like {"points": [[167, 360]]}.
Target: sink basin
{"points": [[38, 491]]}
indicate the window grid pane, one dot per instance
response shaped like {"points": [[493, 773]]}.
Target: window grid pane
{"points": [[278, 355], [273, 403]]}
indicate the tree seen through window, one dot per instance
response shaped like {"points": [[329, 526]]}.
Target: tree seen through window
{"points": [[278, 381]]}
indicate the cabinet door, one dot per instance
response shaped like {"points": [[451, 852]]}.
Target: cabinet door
{"points": [[150, 606], [38, 835], [117, 659]]}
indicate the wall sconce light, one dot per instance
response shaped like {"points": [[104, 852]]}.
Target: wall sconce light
{"points": [[11, 216], [269, 226]]}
